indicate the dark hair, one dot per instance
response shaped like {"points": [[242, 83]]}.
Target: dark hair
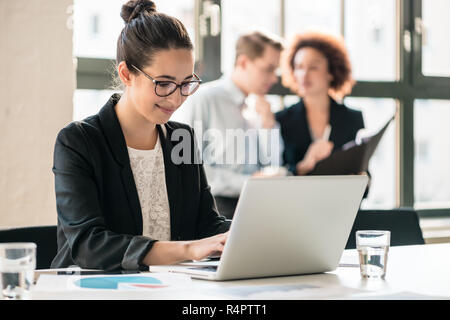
{"points": [[333, 48], [147, 32], [253, 44]]}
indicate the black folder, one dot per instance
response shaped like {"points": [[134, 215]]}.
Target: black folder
{"points": [[352, 158]]}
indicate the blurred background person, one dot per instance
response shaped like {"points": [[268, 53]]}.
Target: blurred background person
{"points": [[317, 68], [219, 107]]}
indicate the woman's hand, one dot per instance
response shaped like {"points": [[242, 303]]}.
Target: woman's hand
{"points": [[203, 248], [170, 252], [317, 151]]}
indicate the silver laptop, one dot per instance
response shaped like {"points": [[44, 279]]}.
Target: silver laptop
{"points": [[284, 226]]}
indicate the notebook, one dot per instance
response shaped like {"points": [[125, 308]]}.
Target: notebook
{"points": [[352, 158]]}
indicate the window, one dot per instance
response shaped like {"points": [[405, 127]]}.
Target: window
{"points": [[304, 15], [239, 17], [89, 102], [370, 35], [434, 29], [432, 153], [376, 113], [97, 25]]}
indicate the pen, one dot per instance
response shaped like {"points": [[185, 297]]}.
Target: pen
{"points": [[326, 133]]}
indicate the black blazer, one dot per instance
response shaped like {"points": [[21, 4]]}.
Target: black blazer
{"points": [[295, 132], [99, 214]]}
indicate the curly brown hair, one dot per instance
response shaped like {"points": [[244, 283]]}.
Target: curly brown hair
{"points": [[333, 48]]}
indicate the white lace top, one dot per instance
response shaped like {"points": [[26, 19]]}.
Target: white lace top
{"points": [[149, 176]]}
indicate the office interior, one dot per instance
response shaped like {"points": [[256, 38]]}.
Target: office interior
{"points": [[57, 58]]}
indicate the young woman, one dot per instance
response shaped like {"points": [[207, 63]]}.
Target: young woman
{"points": [[122, 202], [316, 68]]}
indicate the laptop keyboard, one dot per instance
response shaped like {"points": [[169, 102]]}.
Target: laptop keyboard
{"points": [[206, 268]]}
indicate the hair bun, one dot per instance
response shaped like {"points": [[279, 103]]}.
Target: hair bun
{"points": [[133, 8]]}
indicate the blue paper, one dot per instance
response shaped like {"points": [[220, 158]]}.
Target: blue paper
{"points": [[113, 282]]}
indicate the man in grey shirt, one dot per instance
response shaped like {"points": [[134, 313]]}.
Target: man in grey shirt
{"points": [[235, 145]]}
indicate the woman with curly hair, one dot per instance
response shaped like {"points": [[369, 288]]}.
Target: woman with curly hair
{"points": [[317, 69]]}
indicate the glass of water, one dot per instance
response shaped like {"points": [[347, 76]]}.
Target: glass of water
{"points": [[17, 265], [373, 248]]}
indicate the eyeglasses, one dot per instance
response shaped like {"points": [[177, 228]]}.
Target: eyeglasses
{"points": [[166, 88]]}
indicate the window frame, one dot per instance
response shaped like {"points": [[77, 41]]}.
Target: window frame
{"points": [[418, 77]]}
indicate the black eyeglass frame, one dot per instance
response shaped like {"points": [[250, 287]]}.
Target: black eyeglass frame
{"points": [[156, 82]]}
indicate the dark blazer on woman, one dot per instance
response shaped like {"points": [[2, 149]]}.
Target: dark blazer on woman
{"points": [[295, 131], [99, 214]]}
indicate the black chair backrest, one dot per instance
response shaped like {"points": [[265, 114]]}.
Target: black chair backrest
{"points": [[43, 236], [403, 223]]}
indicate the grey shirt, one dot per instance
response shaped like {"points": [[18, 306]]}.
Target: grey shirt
{"points": [[232, 142]]}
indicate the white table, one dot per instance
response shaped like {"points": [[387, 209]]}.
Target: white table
{"points": [[421, 271]]}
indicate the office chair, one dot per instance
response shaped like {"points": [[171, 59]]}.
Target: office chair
{"points": [[403, 223], [43, 236]]}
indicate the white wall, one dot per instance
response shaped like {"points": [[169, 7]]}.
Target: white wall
{"points": [[37, 80]]}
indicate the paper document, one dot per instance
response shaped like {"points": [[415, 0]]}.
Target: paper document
{"points": [[137, 281], [399, 295], [287, 292]]}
